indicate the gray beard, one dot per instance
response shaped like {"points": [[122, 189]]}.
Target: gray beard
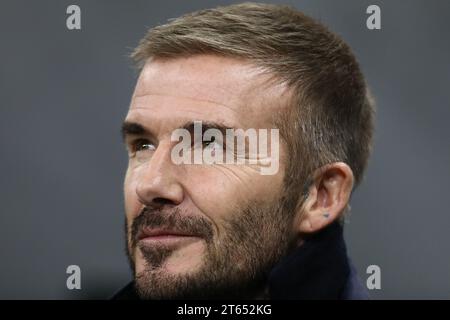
{"points": [[253, 242]]}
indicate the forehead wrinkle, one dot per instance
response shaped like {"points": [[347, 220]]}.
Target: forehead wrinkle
{"points": [[208, 77], [250, 103], [202, 109], [234, 109]]}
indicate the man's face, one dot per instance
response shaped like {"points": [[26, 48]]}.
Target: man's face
{"points": [[210, 229]]}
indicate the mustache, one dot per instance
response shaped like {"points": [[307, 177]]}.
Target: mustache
{"points": [[172, 219]]}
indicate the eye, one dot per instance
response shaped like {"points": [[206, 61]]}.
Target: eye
{"points": [[208, 143], [141, 145], [214, 143]]}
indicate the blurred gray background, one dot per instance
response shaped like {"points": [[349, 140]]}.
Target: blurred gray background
{"points": [[63, 95]]}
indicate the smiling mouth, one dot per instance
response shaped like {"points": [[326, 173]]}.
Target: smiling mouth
{"points": [[165, 237]]}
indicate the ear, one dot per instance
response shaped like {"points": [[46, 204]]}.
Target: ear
{"points": [[328, 197]]}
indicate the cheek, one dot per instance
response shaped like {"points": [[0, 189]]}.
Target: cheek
{"points": [[221, 190], [139, 262], [132, 205]]}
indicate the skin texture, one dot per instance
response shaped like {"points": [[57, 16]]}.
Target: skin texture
{"points": [[170, 93]]}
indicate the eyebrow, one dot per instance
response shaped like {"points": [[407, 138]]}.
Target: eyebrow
{"points": [[133, 129], [207, 125], [136, 129]]}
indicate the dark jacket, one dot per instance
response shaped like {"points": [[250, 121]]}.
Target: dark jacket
{"points": [[319, 269]]}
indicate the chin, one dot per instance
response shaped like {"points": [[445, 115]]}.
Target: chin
{"points": [[180, 262], [181, 268]]}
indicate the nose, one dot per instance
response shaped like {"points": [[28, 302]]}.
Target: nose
{"points": [[158, 180]]}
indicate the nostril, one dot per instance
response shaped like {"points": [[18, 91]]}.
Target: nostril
{"points": [[162, 201], [159, 192]]}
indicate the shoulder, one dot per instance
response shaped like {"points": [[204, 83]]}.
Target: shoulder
{"points": [[354, 289]]}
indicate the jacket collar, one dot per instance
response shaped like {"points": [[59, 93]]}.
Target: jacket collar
{"points": [[318, 269]]}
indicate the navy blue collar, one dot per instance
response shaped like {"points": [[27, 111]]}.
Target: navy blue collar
{"points": [[318, 269]]}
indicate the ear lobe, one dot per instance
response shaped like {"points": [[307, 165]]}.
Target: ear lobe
{"points": [[317, 213], [328, 197]]}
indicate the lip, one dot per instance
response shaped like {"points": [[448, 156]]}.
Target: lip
{"points": [[165, 236]]}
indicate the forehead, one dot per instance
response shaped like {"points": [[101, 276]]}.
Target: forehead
{"points": [[205, 87]]}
